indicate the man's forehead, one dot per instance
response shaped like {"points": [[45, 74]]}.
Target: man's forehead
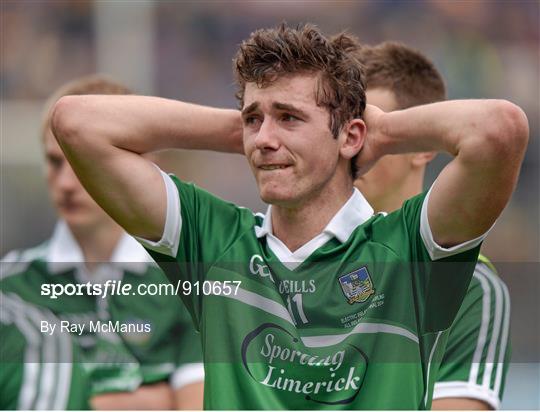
{"points": [[297, 90]]}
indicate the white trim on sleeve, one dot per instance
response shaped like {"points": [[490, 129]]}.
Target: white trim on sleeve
{"points": [[187, 374], [436, 251], [168, 244], [462, 389]]}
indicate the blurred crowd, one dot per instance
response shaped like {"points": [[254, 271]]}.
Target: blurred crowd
{"points": [[484, 49]]}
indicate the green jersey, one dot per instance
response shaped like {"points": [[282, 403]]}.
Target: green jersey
{"points": [[354, 319], [126, 340], [37, 371], [476, 359]]}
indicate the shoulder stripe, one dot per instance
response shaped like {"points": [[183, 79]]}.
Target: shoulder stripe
{"points": [[504, 339], [47, 360], [497, 321], [495, 308], [47, 379], [61, 401], [484, 325], [17, 261], [32, 367]]}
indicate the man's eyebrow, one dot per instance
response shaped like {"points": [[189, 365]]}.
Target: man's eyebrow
{"points": [[289, 108], [252, 107]]}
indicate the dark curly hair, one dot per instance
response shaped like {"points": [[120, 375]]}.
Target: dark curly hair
{"points": [[270, 53]]}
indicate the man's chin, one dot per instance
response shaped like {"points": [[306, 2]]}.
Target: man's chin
{"points": [[277, 198], [77, 222]]}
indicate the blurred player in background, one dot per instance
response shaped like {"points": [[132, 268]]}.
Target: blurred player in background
{"points": [[364, 327], [38, 371], [157, 363], [475, 363]]}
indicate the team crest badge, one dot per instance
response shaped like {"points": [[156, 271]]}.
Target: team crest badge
{"points": [[357, 286]]}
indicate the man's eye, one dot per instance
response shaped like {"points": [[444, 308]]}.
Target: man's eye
{"points": [[289, 118], [55, 163], [250, 120]]}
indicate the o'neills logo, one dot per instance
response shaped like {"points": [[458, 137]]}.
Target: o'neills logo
{"points": [[328, 375]]}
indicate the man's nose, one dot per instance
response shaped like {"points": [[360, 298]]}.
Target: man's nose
{"points": [[267, 136], [67, 180]]}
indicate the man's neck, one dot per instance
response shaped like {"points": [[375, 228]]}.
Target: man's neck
{"points": [[297, 226], [394, 199], [97, 244]]}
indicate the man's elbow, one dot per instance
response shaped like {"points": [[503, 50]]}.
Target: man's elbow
{"points": [[66, 120], [509, 133]]}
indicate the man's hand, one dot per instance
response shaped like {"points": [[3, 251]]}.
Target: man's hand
{"points": [[373, 148], [487, 138]]}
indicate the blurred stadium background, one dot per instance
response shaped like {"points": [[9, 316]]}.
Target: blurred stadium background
{"points": [[183, 50]]}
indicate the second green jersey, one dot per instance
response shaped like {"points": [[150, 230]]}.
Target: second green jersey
{"points": [[37, 371], [355, 320], [125, 340], [477, 355]]}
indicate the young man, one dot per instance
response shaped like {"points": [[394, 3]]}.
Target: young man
{"points": [[152, 360], [323, 313], [37, 371], [474, 366]]}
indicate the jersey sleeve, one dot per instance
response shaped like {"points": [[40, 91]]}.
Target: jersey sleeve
{"points": [[440, 276], [476, 358], [199, 228], [168, 244]]}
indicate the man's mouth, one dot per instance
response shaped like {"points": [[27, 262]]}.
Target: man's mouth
{"points": [[69, 205], [273, 167]]}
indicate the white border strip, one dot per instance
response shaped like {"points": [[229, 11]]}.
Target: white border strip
{"points": [[258, 301], [366, 327], [187, 374], [276, 309], [461, 389], [429, 367]]}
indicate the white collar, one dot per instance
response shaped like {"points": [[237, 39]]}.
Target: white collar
{"points": [[64, 252], [352, 214]]}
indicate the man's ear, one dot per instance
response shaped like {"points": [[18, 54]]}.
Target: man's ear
{"points": [[355, 134], [422, 158]]}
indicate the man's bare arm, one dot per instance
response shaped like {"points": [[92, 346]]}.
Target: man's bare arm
{"points": [[465, 404], [104, 138], [158, 396], [189, 397], [487, 138]]}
